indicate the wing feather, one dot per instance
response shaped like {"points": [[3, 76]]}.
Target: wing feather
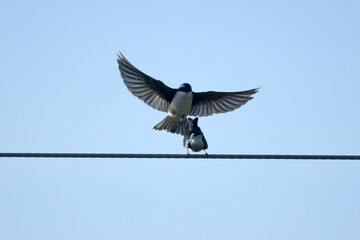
{"points": [[209, 103], [153, 92]]}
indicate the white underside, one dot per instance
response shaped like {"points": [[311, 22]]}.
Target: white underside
{"points": [[181, 104], [196, 144]]}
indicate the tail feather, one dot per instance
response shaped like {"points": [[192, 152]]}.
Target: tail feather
{"points": [[173, 125]]}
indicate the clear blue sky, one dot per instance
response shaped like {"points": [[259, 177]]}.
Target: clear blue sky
{"points": [[61, 91]]}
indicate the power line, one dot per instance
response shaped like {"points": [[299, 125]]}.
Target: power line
{"points": [[177, 156]]}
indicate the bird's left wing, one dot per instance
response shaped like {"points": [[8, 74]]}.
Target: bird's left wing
{"points": [[208, 103], [153, 92]]}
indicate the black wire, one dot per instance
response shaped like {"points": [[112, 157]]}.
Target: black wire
{"points": [[211, 156]]}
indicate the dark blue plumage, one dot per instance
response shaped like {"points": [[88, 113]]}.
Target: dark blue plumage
{"points": [[185, 87]]}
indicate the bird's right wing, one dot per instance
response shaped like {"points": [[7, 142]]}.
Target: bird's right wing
{"points": [[153, 92]]}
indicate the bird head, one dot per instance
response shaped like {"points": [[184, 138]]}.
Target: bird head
{"points": [[185, 87], [193, 126]]}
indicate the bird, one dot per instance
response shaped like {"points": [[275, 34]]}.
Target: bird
{"points": [[178, 103], [194, 138]]}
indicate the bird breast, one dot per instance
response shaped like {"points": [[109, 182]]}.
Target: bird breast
{"points": [[181, 104], [196, 143]]}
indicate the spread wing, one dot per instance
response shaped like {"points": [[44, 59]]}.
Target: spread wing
{"points": [[153, 92], [208, 103]]}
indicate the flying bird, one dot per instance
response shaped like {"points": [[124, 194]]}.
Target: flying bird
{"points": [[194, 138], [181, 102]]}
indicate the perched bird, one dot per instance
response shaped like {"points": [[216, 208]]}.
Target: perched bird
{"points": [[181, 102], [194, 138]]}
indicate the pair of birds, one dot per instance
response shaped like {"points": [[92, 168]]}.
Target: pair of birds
{"points": [[180, 103]]}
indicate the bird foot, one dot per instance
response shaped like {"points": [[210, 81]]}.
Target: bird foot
{"points": [[206, 154]]}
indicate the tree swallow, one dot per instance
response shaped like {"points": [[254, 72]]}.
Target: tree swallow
{"points": [[194, 138], [181, 102]]}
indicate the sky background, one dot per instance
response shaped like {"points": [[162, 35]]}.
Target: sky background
{"points": [[61, 91]]}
